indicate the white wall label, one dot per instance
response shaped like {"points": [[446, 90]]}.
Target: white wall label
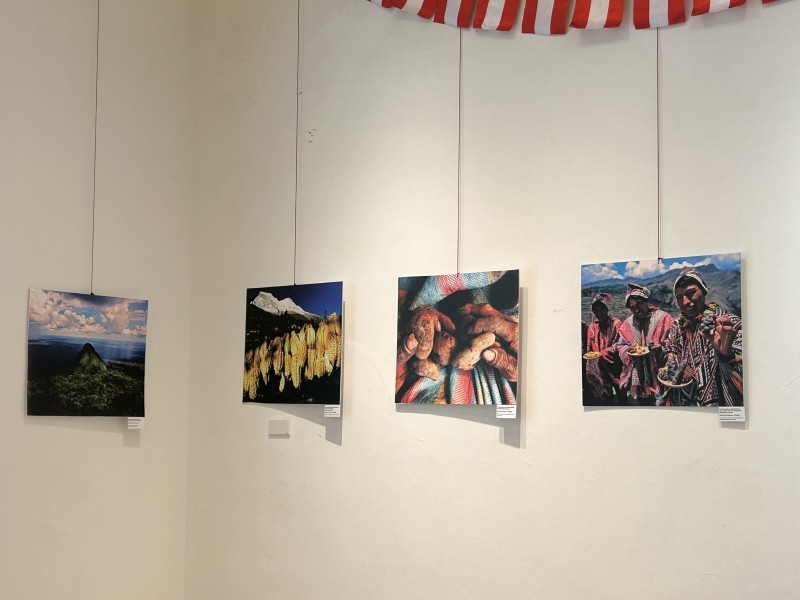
{"points": [[279, 427], [333, 411], [731, 414], [506, 411], [135, 422]]}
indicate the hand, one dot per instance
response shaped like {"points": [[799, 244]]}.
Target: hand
{"points": [[425, 323], [501, 360], [480, 318], [405, 350], [724, 334]]}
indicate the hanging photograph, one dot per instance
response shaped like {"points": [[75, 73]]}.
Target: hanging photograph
{"points": [[458, 338], [85, 354], [293, 344], [663, 333]]}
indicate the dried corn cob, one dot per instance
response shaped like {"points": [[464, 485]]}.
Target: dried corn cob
{"points": [[300, 351], [311, 336], [319, 364], [277, 355], [296, 374], [287, 365], [312, 358], [252, 388], [264, 368]]}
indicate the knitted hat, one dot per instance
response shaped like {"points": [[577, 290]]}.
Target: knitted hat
{"points": [[694, 274], [635, 290], [602, 298]]}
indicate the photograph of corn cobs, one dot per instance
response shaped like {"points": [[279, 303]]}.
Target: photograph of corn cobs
{"points": [[458, 338], [293, 344]]}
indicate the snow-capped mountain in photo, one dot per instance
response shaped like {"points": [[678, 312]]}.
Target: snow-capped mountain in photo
{"points": [[269, 303]]}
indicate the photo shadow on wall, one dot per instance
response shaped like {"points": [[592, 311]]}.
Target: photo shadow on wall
{"points": [[473, 322], [665, 335], [745, 370], [311, 413], [131, 438], [511, 430]]}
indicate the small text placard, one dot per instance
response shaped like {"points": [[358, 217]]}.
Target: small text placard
{"points": [[731, 414], [506, 411], [135, 422], [333, 411]]}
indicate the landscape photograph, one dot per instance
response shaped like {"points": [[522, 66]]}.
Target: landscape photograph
{"points": [[293, 344], [86, 354]]}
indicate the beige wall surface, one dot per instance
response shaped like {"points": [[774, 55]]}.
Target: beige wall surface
{"points": [[559, 169], [89, 510]]}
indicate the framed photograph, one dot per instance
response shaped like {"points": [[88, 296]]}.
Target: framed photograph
{"points": [[86, 354], [458, 338], [293, 344], [663, 333]]}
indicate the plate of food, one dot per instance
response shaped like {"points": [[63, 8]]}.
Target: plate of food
{"points": [[592, 355], [636, 350], [675, 374]]}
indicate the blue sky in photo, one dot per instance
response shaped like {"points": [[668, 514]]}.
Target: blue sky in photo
{"points": [[316, 298], [651, 268]]}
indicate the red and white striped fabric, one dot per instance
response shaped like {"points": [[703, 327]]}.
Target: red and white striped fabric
{"points": [[548, 17], [702, 7], [597, 14], [421, 8], [649, 14], [496, 14], [383, 3], [457, 13]]}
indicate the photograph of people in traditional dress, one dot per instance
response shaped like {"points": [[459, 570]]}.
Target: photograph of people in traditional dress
{"points": [[458, 338], [663, 333]]}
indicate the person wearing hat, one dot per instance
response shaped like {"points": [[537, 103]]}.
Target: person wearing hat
{"points": [[647, 327], [706, 341], [603, 372]]}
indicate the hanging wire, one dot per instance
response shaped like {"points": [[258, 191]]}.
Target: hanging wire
{"points": [[460, 95], [658, 141], [296, 142], [94, 166]]}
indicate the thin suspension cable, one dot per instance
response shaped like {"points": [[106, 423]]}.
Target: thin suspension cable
{"points": [[94, 165], [658, 140], [460, 95], [296, 142]]}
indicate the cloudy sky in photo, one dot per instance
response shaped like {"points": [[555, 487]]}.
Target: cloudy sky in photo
{"points": [[63, 313], [645, 269]]}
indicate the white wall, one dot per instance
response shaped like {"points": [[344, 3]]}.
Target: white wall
{"points": [[90, 510], [195, 203], [559, 169]]}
